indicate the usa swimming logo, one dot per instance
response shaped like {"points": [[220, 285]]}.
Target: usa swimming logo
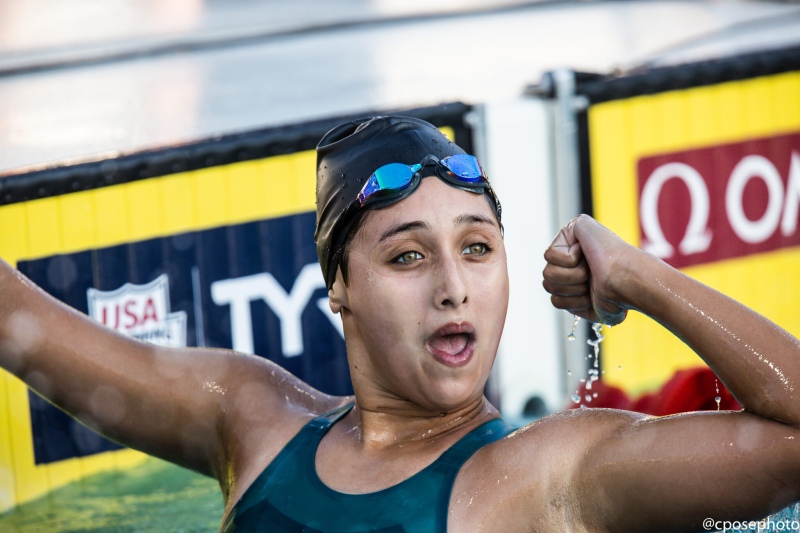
{"points": [[140, 311]]}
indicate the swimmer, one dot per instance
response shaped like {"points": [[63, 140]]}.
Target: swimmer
{"points": [[410, 242]]}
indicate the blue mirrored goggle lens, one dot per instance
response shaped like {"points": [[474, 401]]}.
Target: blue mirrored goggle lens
{"points": [[391, 177], [463, 166], [394, 176]]}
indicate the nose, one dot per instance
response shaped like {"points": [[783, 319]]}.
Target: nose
{"points": [[451, 290]]}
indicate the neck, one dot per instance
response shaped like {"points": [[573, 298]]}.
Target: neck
{"points": [[403, 423]]}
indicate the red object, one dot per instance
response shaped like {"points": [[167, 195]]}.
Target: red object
{"points": [[693, 389]]}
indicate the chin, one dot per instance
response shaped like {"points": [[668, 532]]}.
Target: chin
{"points": [[448, 397]]}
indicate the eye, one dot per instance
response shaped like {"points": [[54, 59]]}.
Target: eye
{"points": [[406, 258], [478, 248]]}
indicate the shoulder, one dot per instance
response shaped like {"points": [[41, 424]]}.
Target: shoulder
{"points": [[260, 390], [547, 442], [264, 406], [529, 476]]}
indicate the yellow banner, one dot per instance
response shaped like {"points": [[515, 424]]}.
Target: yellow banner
{"points": [[730, 156], [130, 212]]}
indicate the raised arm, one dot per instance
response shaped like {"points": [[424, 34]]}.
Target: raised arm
{"points": [[679, 470], [193, 407]]}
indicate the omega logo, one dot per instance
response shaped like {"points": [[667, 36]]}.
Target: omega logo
{"points": [[717, 199]]}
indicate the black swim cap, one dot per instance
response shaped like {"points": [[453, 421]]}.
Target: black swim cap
{"points": [[347, 156]]}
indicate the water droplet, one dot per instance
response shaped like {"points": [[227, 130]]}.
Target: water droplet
{"points": [[594, 395], [576, 398], [619, 367], [588, 398], [569, 372], [718, 399], [571, 335]]}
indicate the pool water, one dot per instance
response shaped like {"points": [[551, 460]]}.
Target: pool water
{"points": [[154, 496]]}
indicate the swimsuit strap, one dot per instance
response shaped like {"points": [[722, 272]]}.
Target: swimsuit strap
{"points": [[323, 423], [255, 498], [454, 458]]}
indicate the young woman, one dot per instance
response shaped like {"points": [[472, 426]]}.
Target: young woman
{"points": [[411, 246]]}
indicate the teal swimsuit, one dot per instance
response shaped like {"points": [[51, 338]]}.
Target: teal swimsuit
{"points": [[288, 496]]}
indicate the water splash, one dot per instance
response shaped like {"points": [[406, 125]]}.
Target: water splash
{"points": [[717, 398], [593, 373], [571, 336]]}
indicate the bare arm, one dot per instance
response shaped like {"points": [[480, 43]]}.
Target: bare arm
{"points": [[189, 406], [685, 464]]}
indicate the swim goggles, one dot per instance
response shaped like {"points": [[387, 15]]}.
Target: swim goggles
{"points": [[394, 181]]}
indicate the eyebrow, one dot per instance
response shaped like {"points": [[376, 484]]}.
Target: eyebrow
{"points": [[461, 220], [465, 220], [404, 228]]}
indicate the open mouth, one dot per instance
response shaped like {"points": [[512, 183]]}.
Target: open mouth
{"points": [[453, 344]]}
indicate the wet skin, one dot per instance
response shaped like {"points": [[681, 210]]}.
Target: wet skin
{"points": [[423, 312]]}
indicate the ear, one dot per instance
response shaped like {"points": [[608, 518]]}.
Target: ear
{"points": [[337, 294]]}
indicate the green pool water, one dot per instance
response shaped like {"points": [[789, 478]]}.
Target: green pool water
{"points": [[155, 496]]}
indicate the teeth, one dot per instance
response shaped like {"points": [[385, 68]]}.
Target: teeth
{"points": [[451, 344]]}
